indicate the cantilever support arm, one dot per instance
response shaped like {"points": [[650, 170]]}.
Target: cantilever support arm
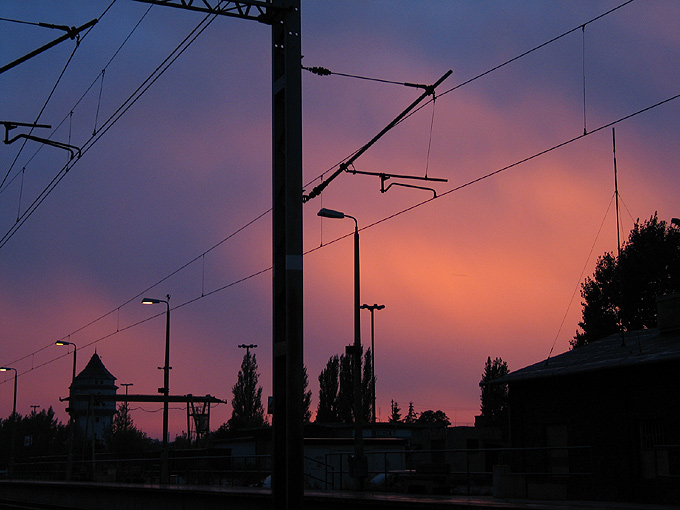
{"points": [[385, 176], [345, 165], [71, 33], [60, 145]]}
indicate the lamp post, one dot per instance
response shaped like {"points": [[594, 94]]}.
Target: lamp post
{"points": [[14, 420], [247, 347], [372, 308], [127, 384], [127, 410], [360, 464], [6, 369], [165, 390], [72, 420]]}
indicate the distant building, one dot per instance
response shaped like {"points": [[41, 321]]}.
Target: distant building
{"points": [[93, 416], [601, 421]]}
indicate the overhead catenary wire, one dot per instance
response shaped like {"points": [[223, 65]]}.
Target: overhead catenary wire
{"points": [[84, 94], [494, 69], [426, 201], [88, 28], [339, 238], [47, 190], [132, 99]]}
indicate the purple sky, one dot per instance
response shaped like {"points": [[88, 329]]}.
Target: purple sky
{"points": [[492, 269]]}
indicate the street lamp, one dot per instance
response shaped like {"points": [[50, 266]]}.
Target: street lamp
{"points": [[165, 390], [6, 369], [360, 465], [247, 347], [75, 349], [127, 384], [71, 413], [14, 420], [372, 308]]}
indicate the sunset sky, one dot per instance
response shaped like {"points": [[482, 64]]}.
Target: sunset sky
{"points": [[491, 267]]}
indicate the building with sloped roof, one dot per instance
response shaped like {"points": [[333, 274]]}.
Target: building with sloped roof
{"points": [[91, 415], [601, 421]]}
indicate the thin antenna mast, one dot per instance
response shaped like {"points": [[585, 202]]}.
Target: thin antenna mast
{"points": [[616, 194], [618, 238]]}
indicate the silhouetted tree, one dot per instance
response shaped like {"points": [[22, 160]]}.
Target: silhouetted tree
{"points": [[395, 412], [623, 290], [367, 388], [36, 434], [124, 436], [346, 389], [494, 396], [306, 397], [434, 418], [247, 396], [336, 390], [412, 416], [327, 411]]}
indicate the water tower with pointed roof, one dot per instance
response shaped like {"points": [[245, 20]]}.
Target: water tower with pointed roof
{"points": [[93, 416]]}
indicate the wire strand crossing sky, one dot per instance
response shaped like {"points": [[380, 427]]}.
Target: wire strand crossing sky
{"points": [[486, 274]]}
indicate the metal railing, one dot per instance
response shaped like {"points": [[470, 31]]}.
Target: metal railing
{"points": [[457, 471], [463, 471]]}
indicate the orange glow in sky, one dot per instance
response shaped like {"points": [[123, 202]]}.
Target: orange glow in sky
{"points": [[491, 267]]}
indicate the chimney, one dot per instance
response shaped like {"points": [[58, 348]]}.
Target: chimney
{"points": [[668, 312]]}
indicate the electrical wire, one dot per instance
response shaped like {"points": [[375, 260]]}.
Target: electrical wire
{"points": [[580, 278], [127, 104], [78, 41], [82, 97], [403, 211], [371, 225], [65, 169], [474, 78]]}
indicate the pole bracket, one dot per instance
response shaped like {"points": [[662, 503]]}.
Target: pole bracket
{"points": [[9, 125]]}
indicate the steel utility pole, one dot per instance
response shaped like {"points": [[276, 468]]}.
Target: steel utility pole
{"points": [[284, 18]]}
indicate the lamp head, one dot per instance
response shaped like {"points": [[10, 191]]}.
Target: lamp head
{"points": [[150, 301], [330, 213], [63, 342], [372, 307], [5, 369]]}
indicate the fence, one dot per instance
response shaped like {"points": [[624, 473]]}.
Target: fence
{"points": [[461, 471]]}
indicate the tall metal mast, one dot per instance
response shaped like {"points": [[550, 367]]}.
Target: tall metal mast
{"points": [[284, 17]]}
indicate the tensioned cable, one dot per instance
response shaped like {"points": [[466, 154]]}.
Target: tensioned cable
{"points": [[423, 202], [137, 296], [505, 168], [82, 97], [580, 278], [583, 59], [375, 223], [78, 41], [127, 104], [488, 71], [429, 141], [49, 96], [55, 181], [408, 209]]}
